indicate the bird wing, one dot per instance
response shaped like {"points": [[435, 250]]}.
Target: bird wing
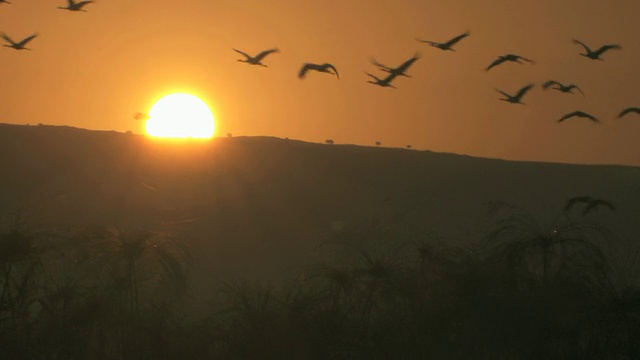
{"points": [[629, 110], [456, 39], [589, 116], [503, 93], [597, 202], [525, 59], [427, 41], [8, 39], [71, 3], [523, 91], [608, 47], [263, 54], [405, 65], [374, 77], [496, 62], [380, 65], [26, 40], [574, 86], [575, 199], [83, 3], [303, 70], [333, 68], [550, 83], [569, 115], [243, 53], [578, 42]]}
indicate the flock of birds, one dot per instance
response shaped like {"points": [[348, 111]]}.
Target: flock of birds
{"points": [[21, 45], [400, 70]]}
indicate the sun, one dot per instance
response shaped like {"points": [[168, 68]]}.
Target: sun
{"points": [[180, 115]]}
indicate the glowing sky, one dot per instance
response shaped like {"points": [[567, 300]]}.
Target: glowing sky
{"points": [[96, 69]]}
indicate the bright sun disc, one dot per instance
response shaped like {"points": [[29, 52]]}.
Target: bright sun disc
{"points": [[180, 116]]}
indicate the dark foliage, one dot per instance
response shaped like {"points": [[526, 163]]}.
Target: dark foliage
{"points": [[526, 291]]}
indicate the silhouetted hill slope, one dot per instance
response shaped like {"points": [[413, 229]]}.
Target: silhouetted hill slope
{"points": [[259, 205]]}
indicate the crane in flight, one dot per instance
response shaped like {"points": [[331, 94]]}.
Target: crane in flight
{"points": [[325, 68], [386, 82], [595, 55], [591, 203], [508, 57], [580, 114], [401, 70], [448, 44], [629, 110], [515, 99], [561, 87], [19, 45], [75, 6], [256, 60]]}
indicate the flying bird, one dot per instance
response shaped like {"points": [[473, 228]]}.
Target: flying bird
{"points": [[590, 202], [508, 57], [256, 60], [401, 69], [141, 116], [577, 199], [629, 110], [597, 202], [446, 45], [325, 68], [75, 6], [20, 45], [515, 99], [595, 55], [561, 87], [386, 82], [580, 114]]}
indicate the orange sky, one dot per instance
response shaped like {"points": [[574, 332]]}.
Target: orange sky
{"points": [[95, 69]]}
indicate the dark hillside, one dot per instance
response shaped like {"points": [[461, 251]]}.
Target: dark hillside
{"points": [[259, 205]]}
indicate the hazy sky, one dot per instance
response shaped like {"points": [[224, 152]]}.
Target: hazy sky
{"points": [[95, 69]]}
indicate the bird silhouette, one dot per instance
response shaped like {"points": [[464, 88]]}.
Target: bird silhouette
{"points": [[508, 57], [20, 45], [256, 60], [561, 87], [597, 202], [75, 6], [591, 203], [446, 45], [580, 114], [325, 68], [629, 110], [401, 69], [386, 82], [595, 55], [515, 99]]}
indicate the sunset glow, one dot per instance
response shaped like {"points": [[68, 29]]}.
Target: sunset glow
{"points": [[180, 116]]}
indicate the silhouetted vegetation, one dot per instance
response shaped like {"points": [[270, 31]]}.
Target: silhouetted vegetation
{"points": [[526, 290]]}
